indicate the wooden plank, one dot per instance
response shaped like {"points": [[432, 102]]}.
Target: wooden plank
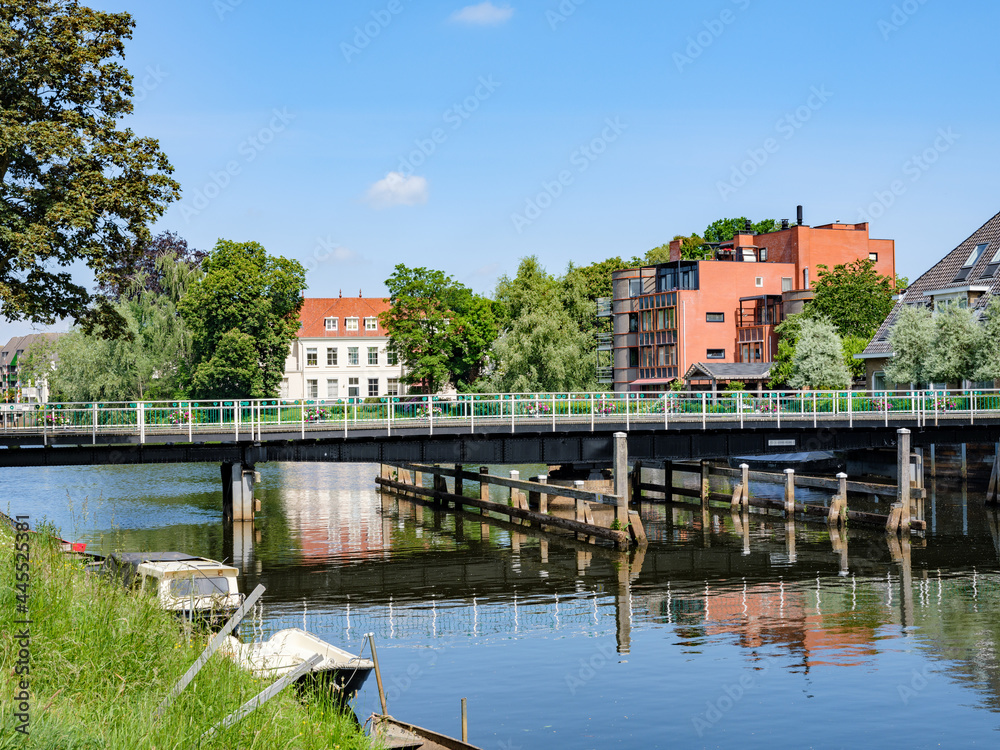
{"points": [[815, 482], [674, 490], [614, 535]]}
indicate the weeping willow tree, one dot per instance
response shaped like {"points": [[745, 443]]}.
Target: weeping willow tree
{"points": [[152, 358]]}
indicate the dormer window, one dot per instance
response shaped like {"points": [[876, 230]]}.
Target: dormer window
{"points": [[351, 324], [371, 324], [974, 256], [991, 270], [330, 324]]}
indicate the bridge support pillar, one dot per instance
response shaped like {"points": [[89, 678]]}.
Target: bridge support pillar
{"points": [[237, 492]]}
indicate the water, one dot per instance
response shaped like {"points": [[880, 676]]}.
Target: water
{"points": [[718, 636]]}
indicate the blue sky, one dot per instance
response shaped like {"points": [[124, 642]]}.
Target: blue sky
{"points": [[357, 135]]}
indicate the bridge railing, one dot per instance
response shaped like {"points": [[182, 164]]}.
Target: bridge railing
{"points": [[250, 418]]}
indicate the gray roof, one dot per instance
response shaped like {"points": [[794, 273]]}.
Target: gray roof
{"points": [[942, 276], [23, 344], [729, 371]]}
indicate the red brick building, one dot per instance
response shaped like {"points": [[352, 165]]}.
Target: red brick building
{"points": [[670, 317]]}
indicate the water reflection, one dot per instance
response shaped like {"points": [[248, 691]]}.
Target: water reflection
{"points": [[557, 641]]}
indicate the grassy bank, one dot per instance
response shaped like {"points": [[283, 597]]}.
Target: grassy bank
{"points": [[103, 658]]}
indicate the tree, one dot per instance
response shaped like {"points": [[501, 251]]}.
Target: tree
{"points": [[854, 345], [441, 330], [911, 339], [723, 230], [788, 335], [243, 315], [150, 360], [853, 296], [988, 361], [149, 268], [958, 341], [74, 187], [819, 359], [543, 347]]}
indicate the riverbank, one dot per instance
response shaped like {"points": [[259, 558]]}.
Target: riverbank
{"points": [[100, 659]]}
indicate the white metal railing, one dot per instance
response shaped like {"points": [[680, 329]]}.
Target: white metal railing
{"points": [[251, 419]]}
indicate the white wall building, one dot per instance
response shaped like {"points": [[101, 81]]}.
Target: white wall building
{"points": [[341, 352]]}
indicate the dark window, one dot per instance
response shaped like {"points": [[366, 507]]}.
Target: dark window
{"points": [[372, 386], [873, 257], [716, 354], [682, 275], [974, 256], [715, 317], [633, 322], [633, 357], [635, 288]]}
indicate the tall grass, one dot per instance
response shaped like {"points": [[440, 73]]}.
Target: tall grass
{"points": [[102, 659]]}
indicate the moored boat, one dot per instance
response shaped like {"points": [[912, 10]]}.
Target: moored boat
{"points": [[398, 735]]}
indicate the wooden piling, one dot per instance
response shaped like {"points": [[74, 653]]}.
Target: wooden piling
{"points": [[903, 476], [993, 492], [484, 486], [789, 492], [621, 478], [543, 499], [635, 488], [668, 480], [458, 479], [706, 485], [745, 468], [581, 514]]}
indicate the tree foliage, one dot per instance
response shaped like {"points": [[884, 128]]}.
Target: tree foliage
{"points": [[958, 342], [788, 336], [441, 330], [819, 359], [149, 272], [988, 362], [544, 347], [243, 316], [723, 230], [74, 186], [853, 296], [854, 345]]}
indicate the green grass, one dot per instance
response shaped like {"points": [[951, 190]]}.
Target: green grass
{"points": [[102, 659]]}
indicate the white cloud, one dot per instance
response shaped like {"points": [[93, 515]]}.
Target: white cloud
{"points": [[397, 190], [484, 14]]}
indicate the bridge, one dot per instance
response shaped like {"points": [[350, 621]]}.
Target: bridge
{"points": [[553, 428]]}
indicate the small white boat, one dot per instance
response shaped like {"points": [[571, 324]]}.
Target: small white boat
{"points": [[286, 649]]}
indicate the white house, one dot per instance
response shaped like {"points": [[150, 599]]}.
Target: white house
{"points": [[341, 352]]}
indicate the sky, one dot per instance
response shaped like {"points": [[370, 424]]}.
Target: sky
{"points": [[354, 136]]}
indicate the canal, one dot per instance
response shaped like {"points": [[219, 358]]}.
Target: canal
{"points": [[722, 634]]}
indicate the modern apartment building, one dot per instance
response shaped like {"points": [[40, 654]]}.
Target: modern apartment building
{"points": [[670, 318], [968, 276], [341, 351]]}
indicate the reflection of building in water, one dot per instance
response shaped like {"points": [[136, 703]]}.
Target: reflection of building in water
{"points": [[331, 510]]}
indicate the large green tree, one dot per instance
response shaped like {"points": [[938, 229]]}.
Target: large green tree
{"points": [[75, 186], [958, 343], [723, 230], [440, 329], [544, 346], [988, 361], [788, 336], [853, 296], [819, 358], [243, 315]]}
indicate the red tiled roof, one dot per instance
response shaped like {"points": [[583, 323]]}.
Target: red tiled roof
{"points": [[315, 311]]}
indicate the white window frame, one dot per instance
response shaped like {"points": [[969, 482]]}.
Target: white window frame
{"points": [[330, 324], [373, 354], [353, 356], [392, 387], [334, 391], [312, 388], [312, 352], [350, 324], [376, 382], [332, 350], [353, 387], [371, 324]]}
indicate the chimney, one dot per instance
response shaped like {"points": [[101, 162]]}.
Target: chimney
{"points": [[784, 223], [748, 226], [798, 212], [341, 294], [359, 293]]}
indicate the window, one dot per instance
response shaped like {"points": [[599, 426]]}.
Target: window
{"points": [[715, 317], [392, 387], [283, 393], [371, 324], [633, 357], [352, 388], [873, 257], [786, 284], [373, 355], [332, 388], [330, 324], [878, 381], [350, 324], [372, 387], [974, 256], [331, 356], [716, 354], [311, 359], [633, 322], [391, 357], [762, 255], [991, 270], [312, 389], [352, 355], [759, 281], [635, 288]]}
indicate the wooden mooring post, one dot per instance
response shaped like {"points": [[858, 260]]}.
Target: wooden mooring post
{"points": [[790, 492], [621, 478], [993, 491], [903, 478]]}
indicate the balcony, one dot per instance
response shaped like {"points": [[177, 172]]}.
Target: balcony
{"points": [[603, 307], [604, 341], [605, 374]]}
